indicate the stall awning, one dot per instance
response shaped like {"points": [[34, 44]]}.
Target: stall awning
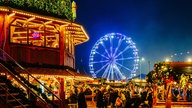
{"points": [[51, 72]]}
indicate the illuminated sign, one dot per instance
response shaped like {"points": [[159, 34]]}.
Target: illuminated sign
{"points": [[36, 35]]}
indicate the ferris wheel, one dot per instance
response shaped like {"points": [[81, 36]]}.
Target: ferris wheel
{"points": [[114, 57]]}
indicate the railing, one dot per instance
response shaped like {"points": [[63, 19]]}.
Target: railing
{"points": [[75, 105], [15, 69], [8, 93], [8, 73]]}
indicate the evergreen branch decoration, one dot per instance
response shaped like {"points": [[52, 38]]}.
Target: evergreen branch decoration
{"points": [[54, 8], [162, 74]]}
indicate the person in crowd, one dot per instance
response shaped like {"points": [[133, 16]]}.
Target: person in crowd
{"points": [[99, 99], [128, 99], [135, 101], [76, 90], [123, 98], [105, 98], [181, 94], [144, 95], [72, 98], [81, 99], [119, 102], [112, 98], [175, 95], [189, 94], [150, 98]]}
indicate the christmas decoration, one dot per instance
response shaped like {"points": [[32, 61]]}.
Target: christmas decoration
{"points": [[56, 8], [163, 73]]}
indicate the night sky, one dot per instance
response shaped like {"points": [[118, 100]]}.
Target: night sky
{"points": [[160, 28]]}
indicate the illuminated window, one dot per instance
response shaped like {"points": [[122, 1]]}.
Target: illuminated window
{"points": [[34, 34], [69, 44]]}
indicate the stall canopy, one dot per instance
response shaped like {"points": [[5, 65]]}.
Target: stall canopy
{"points": [[51, 72]]}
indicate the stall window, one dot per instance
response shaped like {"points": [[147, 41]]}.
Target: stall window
{"points": [[69, 43], [17, 36], [34, 34]]}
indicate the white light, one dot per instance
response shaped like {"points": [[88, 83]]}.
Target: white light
{"points": [[123, 77], [142, 59], [167, 60], [189, 60]]}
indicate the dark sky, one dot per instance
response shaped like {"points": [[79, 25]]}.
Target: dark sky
{"points": [[159, 28]]}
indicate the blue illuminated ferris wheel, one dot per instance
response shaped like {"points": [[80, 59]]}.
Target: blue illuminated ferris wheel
{"points": [[114, 57]]}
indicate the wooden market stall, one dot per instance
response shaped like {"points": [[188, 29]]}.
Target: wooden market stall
{"points": [[176, 89], [60, 81], [43, 33], [34, 38]]}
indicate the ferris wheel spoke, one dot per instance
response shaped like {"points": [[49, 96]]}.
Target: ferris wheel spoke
{"points": [[123, 66], [111, 46], [103, 61], [105, 49], [106, 72], [122, 51], [101, 68], [102, 55], [128, 58], [119, 72], [116, 49], [112, 72]]}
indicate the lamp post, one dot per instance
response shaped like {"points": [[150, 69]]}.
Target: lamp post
{"points": [[142, 59], [149, 63]]}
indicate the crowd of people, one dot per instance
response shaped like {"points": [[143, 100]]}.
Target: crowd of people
{"points": [[127, 97], [124, 98]]}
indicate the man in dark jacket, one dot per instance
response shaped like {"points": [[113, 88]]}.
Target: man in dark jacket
{"points": [[112, 98], [99, 99], [81, 99]]}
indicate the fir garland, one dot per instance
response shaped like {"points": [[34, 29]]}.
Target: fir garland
{"points": [[55, 8], [163, 73]]}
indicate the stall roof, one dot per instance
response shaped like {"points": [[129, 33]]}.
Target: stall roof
{"points": [[181, 67], [52, 72]]}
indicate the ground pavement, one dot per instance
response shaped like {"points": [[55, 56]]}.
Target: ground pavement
{"points": [[91, 104]]}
